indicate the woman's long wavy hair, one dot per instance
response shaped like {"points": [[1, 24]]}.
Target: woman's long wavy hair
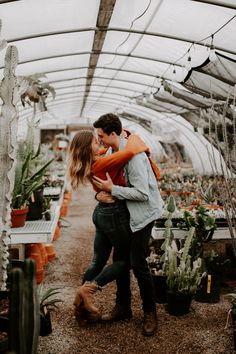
{"points": [[80, 158]]}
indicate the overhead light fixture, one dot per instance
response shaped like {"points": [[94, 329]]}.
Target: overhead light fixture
{"points": [[188, 65], [151, 96], [212, 54], [161, 88]]}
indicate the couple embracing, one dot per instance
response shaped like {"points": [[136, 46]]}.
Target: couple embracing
{"points": [[125, 179]]}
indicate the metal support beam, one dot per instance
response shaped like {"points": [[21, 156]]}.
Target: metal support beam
{"points": [[103, 20]]}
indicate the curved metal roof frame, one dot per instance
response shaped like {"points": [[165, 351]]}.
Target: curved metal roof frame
{"points": [[104, 53]]}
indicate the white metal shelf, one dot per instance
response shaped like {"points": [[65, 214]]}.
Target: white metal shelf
{"points": [[38, 231], [219, 234]]}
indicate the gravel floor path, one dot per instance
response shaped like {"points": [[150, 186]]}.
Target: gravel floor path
{"points": [[200, 332]]}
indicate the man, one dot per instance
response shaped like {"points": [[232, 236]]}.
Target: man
{"points": [[144, 203]]}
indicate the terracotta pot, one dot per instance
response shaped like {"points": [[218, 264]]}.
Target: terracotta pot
{"points": [[67, 195], [39, 266], [57, 232], [44, 254], [64, 208], [50, 251], [18, 217]]}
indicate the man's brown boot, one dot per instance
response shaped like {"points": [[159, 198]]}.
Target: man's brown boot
{"points": [[118, 313], [149, 323], [86, 292]]}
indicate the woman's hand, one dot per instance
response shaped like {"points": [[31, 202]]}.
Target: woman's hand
{"points": [[104, 185], [105, 197]]}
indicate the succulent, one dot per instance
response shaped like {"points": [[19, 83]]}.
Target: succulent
{"points": [[47, 300]]}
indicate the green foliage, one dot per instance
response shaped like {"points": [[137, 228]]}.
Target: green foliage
{"points": [[30, 170], [183, 275], [47, 300], [204, 225], [208, 195]]}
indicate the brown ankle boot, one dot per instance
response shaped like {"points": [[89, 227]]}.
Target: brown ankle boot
{"points": [[118, 313], [149, 323], [85, 293], [80, 314], [84, 317]]}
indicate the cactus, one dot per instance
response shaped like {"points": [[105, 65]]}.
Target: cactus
{"points": [[168, 235], [10, 90], [184, 276], [24, 313]]}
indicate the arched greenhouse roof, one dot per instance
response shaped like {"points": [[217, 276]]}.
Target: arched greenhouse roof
{"points": [[168, 66]]}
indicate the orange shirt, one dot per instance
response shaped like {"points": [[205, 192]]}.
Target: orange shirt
{"points": [[114, 163]]}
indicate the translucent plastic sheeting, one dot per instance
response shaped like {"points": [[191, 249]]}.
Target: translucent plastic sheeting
{"points": [[105, 56]]}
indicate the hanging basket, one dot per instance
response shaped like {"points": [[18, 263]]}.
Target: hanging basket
{"points": [[18, 217]]}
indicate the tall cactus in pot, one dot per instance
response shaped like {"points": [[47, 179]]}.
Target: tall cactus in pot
{"points": [[9, 94]]}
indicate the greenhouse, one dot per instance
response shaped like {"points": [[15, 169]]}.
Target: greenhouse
{"points": [[118, 187]]}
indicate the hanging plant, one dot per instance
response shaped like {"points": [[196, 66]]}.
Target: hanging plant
{"points": [[37, 92]]}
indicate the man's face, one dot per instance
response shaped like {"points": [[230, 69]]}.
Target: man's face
{"points": [[104, 139]]}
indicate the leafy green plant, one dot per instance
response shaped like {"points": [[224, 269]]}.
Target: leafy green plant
{"points": [[30, 169], [204, 225], [25, 182], [47, 299]]}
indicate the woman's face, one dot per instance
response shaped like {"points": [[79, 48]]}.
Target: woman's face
{"points": [[95, 146]]}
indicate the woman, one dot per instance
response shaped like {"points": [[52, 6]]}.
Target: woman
{"points": [[111, 222]]}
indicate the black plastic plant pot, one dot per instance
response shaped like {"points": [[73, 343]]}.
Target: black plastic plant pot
{"points": [[160, 288], [209, 290], [4, 323], [36, 207], [45, 325], [178, 304]]}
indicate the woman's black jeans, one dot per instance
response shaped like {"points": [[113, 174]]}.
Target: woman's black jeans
{"points": [[112, 232]]}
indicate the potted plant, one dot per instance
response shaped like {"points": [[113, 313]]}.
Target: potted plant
{"points": [[37, 92], [27, 180], [204, 225], [158, 260], [47, 303], [183, 277]]}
